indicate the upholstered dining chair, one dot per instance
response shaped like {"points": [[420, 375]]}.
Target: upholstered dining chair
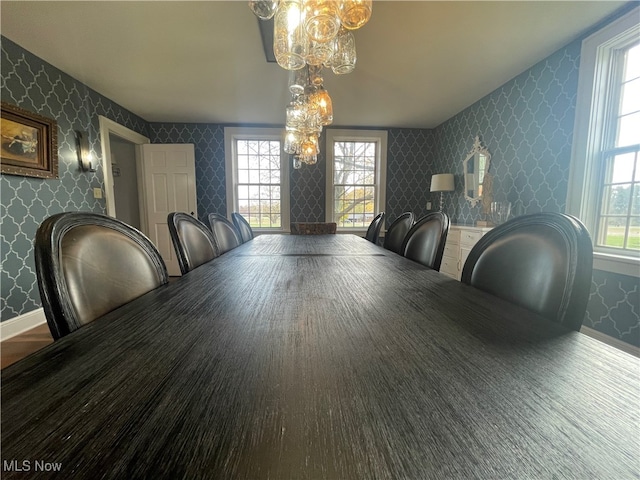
{"points": [[542, 262], [373, 232], [396, 232], [224, 233], [424, 243], [89, 264], [242, 226], [192, 241]]}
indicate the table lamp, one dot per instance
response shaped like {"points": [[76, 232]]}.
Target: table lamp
{"points": [[442, 182]]}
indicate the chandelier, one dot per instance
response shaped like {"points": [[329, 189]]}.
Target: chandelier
{"points": [[309, 35]]}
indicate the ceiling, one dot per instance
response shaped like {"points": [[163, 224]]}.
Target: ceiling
{"points": [[419, 62]]}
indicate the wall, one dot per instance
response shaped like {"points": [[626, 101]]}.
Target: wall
{"points": [[527, 125], [409, 160], [25, 202]]}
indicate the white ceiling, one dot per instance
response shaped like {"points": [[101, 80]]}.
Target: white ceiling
{"points": [[419, 62]]}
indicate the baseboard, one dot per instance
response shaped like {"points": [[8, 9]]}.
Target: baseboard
{"points": [[614, 342], [16, 325]]}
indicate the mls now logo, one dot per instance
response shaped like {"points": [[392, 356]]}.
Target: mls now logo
{"points": [[28, 466]]}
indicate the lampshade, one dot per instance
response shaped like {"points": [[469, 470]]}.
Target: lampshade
{"points": [[442, 182]]}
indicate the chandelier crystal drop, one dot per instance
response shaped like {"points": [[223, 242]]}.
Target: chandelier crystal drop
{"points": [[307, 36]]}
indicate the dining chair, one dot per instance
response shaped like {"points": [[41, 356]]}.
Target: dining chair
{"points": [[89, 264], [192, 241], [396, 232], [224, 233], [373, 232], [313, 228], [542, 262], [424, 242], [242, 226]]}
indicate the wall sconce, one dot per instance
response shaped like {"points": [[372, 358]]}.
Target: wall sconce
{"points": [[442, 182], [85, 158]]}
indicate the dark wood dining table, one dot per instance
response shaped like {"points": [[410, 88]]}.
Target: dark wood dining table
{"points": [[321, 357]]}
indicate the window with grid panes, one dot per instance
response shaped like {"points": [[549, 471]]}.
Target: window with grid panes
{"points": [[257, 187], [356, 165], [618, 226], [604, 183]]}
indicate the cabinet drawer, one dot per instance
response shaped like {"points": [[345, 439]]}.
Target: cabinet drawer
{"points": [[453, 237], [469, 238], [450, 250], [449, 266]]}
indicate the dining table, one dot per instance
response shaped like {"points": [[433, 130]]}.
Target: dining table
{"points": [[321, 357]]}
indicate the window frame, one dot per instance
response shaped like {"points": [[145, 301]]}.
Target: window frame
{"points": [[591, 133], [231, 134], [380, 138]]}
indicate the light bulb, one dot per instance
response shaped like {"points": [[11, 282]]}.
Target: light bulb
{"points": [[355, 13]]}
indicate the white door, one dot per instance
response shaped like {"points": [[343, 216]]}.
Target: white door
{"points": [[169, 177]]}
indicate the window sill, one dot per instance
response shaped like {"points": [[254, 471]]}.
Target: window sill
{"points": [[616, 264]]}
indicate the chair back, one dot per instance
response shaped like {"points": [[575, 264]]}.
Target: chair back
{"points": [[242, 226], [396, 232], [192, 241], [224, 233], [542, 262], [89, 264], [424, 243], [373, 232]]}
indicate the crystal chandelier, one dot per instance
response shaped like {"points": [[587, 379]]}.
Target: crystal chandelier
{"points": [[307, 36]]}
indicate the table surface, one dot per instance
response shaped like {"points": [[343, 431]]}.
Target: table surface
{"points": [[321, 357]]}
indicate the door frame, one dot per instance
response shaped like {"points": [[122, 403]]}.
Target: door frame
{"points": [[107, 128]]}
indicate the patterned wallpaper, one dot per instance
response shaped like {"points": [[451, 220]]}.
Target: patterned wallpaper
{"points": [[527, 125], [25, 202], [411, 160], [409, 167]]}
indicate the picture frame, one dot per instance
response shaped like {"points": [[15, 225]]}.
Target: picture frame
{"points": [[28, 143]]}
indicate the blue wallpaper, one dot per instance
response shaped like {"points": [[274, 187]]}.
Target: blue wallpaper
{"points": [[25, 202], [409, 168], [527, 124], [411, 160]]}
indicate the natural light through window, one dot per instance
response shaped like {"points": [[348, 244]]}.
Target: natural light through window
{"points": [[257, 184], [258, 188], [354, 183], [356, 165], [619, 220], [604, 178]]}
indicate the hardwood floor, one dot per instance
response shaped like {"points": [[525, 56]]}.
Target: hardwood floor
{"points": [[20, 346]]}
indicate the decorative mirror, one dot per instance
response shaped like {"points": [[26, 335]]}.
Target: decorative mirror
{"points": [[476, 168]]}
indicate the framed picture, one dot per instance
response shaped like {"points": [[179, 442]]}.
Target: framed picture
{"points": [[29, 143]]}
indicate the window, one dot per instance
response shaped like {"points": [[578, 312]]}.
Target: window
{"points": [[356, 171], [618, 226], [257, 177], [604, 183]]}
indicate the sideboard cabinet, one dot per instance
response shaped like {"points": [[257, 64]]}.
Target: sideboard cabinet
{"points": [[460, 241]]}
